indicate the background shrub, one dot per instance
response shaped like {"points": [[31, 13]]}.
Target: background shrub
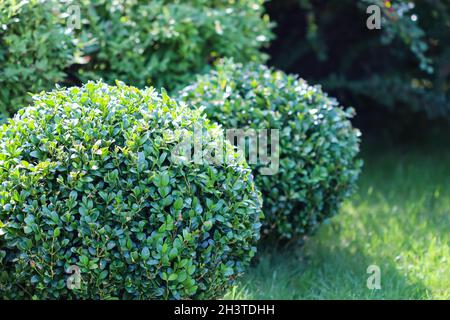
{"points": [[159, 42], [35, 47], [164, 43], [318, 145], [87, 179]]}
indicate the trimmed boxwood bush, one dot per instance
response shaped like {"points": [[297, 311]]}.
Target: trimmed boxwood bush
{"points": [[317, 143], [88, 181], [165, 42], [35, 47]]}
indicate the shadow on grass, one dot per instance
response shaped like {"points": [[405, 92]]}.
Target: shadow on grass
{"points": [[398, 220], [322, 272]]}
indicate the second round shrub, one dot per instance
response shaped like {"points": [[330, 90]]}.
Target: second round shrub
{"points": [[318, 146]]}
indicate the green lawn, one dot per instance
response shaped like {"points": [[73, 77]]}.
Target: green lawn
{"points": [[398, 220]]}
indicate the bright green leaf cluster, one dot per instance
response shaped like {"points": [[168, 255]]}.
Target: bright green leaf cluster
{"points": [[317, 144], [88, 181]]}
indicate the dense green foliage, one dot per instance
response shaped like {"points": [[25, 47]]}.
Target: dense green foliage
{"points": [[161, 43], [164, 43], [404, 67], [88, 180], [317, 143], [35, 48]]}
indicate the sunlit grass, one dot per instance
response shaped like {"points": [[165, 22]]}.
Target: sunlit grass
{"points": [[398, 220]]}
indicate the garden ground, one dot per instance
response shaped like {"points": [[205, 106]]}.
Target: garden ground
{"points": [[399, 220]]}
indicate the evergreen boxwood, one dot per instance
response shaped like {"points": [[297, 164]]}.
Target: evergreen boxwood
{"points": [[317, 144], [88, 181]]}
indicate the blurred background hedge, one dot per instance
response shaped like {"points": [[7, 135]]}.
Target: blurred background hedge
{"points": [[162, 43]]}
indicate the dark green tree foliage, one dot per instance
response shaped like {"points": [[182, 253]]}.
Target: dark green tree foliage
{"points": [[35, 47], [318, 146], [404, 67], [164, 42], [87, 179]]}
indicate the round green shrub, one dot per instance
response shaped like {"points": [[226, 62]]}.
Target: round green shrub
{"points": [[164, 43], [88, 181], [317, 144], [35, 47]]}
